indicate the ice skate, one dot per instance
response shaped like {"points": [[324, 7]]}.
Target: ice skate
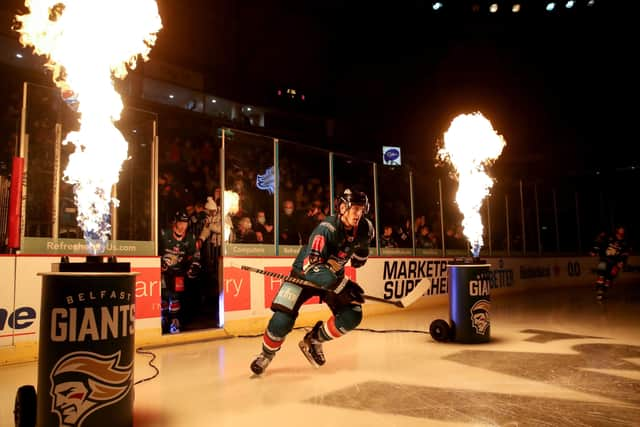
{"points": [[174, 328], [311, 347], [261, 362]]}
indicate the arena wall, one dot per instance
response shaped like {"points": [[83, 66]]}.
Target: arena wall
{"points": [[246, 296]]}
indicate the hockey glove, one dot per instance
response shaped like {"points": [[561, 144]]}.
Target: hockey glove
{"points": [[194, 270], [352, 293], [358, 261], [333, 265], [360, 256], [164, 264]]}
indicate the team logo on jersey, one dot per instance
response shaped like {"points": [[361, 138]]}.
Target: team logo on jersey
{"points": [[480, 316], [83, 382]]}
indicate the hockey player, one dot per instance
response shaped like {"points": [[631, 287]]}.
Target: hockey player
{"points": [[613, 253], [336, 240], [180, 261]]}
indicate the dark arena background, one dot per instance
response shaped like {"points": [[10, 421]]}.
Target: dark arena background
{"points": [[246, 123]]}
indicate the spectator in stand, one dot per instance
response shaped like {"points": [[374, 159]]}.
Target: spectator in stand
{"points": [[454, 238], [310, 220], [387, 240], [424, 238], [403, 235], [244, 232], [264, 231], [418, 223], [216, 195], [289, 234], [212, 230], [197, 219]]}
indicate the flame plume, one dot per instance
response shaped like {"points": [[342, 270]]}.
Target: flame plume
{"points": [[231, 204], [470, 145], [87, 44]]}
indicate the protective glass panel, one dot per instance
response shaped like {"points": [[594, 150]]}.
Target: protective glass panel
{"points": [[592, 212], [305, 187], [394, 209], [530, 219], [426, 203], [498, 221], [548, 219], [516, 232], [454, 240], [567, 219], [249, 174], [134, 215], [43, 113]]}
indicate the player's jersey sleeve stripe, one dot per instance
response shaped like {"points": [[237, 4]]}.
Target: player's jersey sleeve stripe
{"points": [[318, 244]]}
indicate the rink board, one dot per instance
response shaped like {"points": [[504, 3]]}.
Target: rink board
{"points": [[247, 296]]}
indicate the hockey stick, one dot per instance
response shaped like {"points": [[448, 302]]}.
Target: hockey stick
{"points": [[403, 302]]}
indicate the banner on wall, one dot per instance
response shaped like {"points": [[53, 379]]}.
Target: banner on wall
{"points": [[53, 246], [20, 311], [394, 278], [148, 289], [237, 289]]}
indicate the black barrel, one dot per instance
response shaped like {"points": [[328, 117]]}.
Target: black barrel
{"points": [[469, 301], [86, 349]]}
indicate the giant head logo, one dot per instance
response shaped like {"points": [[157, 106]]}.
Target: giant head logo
{"points": [[83, 382], [480, 316]]}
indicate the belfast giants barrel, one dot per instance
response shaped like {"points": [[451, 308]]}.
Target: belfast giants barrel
{"points": [[469, 301], [86, 349]]}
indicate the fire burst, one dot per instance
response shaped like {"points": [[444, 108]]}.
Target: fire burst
{"points": [[231, 204], [87, 44], [470, 145]]}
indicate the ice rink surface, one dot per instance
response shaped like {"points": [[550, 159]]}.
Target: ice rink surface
{"points": [[556, 358]]}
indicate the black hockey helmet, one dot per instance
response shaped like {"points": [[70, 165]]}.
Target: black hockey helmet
{"points": [[181, 216], [349, 198]]}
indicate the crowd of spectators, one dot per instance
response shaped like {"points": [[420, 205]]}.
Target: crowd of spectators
{"points": [[189, 173]]}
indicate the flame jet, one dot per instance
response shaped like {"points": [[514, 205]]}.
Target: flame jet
{"points": [[87, 44], [470, 145], [231, 205]]}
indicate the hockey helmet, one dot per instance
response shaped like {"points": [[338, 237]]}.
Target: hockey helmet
{"points": [[350, 198], [181, 216]]}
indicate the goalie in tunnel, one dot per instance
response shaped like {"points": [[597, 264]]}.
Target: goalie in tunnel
{"points": [[334, 242]]}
